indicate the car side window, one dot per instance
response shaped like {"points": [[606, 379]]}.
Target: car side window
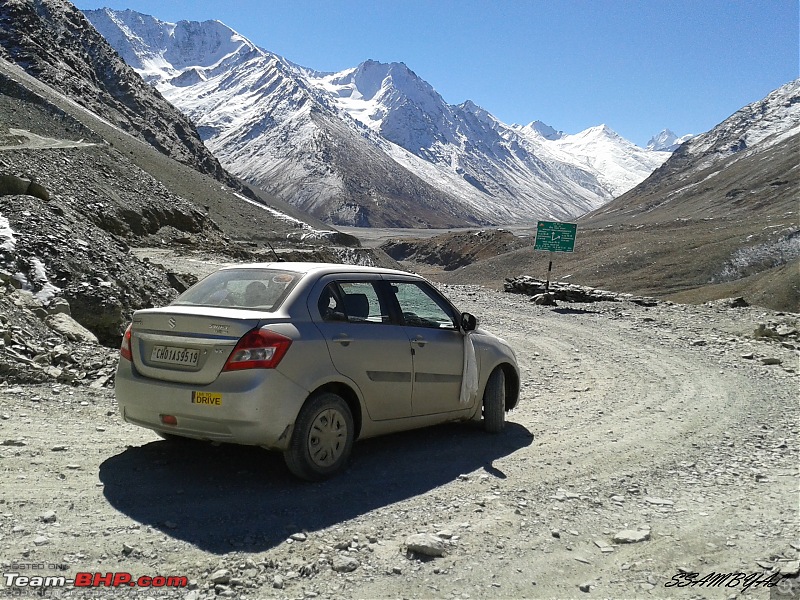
{"points": [[353, 301], [421, 308]]}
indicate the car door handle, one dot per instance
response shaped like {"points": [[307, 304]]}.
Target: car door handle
{"points": [[419, 341], [342, 339]]}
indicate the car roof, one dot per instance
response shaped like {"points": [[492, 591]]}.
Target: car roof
{"points": [[319, 268]]}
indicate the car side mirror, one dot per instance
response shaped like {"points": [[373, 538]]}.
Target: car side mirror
{"points": [[468, 322]]}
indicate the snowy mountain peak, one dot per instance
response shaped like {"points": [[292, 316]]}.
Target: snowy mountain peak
{"points": [[159, 50], [600, 131], [371, 78], [666, 141], [545, 130], [479, 112]]}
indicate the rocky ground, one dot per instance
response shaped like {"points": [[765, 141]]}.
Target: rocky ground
{"points": [[649, 442]]}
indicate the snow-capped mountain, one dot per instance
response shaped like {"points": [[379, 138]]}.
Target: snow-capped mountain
{"points": [[667, 141], [755, 127], [751, 157], [372, 145]]}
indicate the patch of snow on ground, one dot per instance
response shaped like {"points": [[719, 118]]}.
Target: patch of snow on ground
{"points": [[7, 241], [310, 232], [46, 289]]}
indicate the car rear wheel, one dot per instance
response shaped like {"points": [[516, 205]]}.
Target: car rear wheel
{"points": [[322, 438], [494, 402]]}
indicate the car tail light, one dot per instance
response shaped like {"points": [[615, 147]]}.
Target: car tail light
{"points": [[125, 348], [258, 349]]}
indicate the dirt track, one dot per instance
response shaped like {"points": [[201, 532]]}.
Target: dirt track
{"points": [[660, 420]]}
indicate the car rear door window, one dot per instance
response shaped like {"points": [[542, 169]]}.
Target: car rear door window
{"points": [[353, 301]]}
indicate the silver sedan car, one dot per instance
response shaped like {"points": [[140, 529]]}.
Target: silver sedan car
{"points": [[306, 358]]}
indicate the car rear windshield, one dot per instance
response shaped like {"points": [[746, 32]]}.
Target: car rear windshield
{"points": [[254, 289]]}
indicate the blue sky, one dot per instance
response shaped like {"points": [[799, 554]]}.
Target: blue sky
{"points": [[638, 66]]}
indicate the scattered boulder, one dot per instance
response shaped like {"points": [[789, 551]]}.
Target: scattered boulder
{"points": [[36, 347], [11, 185], [631, 536], [738, 302], [181, 281], [7, 278], [59, 306], [426, 544], [48, 517], [544, 300], [779, 332], [221, 576], [70, 328], [99, 310], [344, 564]]}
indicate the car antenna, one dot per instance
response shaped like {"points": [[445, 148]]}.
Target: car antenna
{"points": [[277, 258]]}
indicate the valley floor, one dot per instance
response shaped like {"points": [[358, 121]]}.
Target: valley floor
{"points": [[666, 421]]}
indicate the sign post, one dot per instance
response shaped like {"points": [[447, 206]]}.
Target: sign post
{"points": [[553, 236]]}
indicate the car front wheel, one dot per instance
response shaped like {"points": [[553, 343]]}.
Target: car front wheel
{"points": [[494, 402], [322, 438]]}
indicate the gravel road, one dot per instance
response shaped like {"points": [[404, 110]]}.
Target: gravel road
{"points": [[671, 425]]}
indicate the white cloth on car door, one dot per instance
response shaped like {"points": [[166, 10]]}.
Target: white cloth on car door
{"points": [[469, 378]]}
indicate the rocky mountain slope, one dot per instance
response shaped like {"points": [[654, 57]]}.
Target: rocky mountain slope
{"points": [[718, 219], [54, 42], [370, 146]]}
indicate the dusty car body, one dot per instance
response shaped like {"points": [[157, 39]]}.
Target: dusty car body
{"points": [[306, 358]]}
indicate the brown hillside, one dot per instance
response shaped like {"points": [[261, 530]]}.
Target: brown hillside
{"points": [[688, 233]]}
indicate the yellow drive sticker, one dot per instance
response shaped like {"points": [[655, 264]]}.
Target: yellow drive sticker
{"points": [[207, 398]]}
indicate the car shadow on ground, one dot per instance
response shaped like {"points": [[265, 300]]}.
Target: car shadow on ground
{"points": [[235, 498]]}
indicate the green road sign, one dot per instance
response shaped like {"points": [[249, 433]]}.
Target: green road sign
{"points": [[555, 237]]}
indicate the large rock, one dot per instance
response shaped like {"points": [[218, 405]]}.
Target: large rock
{"points": [[11, 185], [70, 328], [99, 310], [344, 564], [426, 544], [631, 536]]}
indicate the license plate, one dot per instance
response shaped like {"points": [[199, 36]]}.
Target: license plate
{"points": [[174, 356], [207, 398]]}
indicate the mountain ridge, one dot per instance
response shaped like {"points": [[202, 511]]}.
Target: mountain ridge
{"points": [[457, 160]]}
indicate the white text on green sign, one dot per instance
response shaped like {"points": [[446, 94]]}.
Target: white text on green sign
{"points": [[555, 237]]}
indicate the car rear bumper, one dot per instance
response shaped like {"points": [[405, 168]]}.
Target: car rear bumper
{"points": [[255, 407]]}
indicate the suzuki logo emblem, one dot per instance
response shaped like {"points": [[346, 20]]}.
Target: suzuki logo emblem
{"points": [[172, 323]]}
